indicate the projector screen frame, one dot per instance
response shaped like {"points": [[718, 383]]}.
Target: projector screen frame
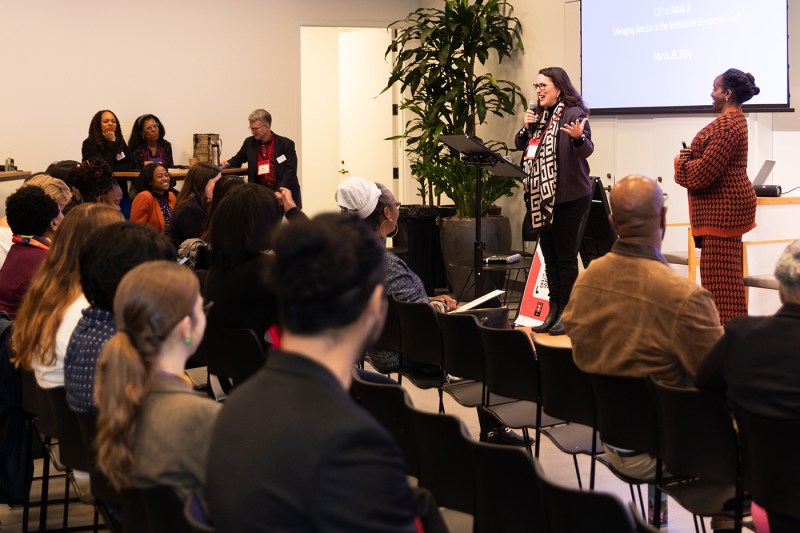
{"points": [[691, 110]]}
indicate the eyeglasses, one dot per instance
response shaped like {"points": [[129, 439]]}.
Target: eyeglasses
{"points": [[151, 127], [397, 204], [253, 130], [541, 86]]}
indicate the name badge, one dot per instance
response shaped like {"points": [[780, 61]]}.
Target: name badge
{"points": [[263, 169], [281, 158], [120, 156], [533, 147]]}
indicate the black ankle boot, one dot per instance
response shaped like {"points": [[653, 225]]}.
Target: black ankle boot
{"points": [[558, 328], [552, 317]]}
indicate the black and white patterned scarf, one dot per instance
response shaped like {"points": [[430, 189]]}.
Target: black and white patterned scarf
{"points": [[540, 185]]}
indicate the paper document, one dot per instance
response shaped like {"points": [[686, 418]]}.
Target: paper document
{"points": [[478, 301]]}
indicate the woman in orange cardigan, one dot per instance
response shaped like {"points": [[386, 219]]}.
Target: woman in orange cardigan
{"points": [[154, 202]]}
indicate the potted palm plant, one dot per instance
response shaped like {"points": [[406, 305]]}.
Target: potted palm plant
{"points": [[438, 62]]}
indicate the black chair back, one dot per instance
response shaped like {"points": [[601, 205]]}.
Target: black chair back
{"points": [[462, 352], [577, 511], [390, 335], [445, 465], [697, 435], [101, 487], [387, 403], [419, 332], [157, 509], [626, 413], [771, 463], [566, 390], [232, 353], [30, 401], [72, 451], [511, 367], [509, 497]]}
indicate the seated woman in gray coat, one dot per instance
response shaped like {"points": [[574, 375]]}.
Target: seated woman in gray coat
{"points": [[153, 429]]}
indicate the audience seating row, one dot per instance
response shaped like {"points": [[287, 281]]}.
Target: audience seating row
{"points": [[501, 487]]}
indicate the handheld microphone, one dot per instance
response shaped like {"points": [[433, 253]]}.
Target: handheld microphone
{"points": [[532, 125]]}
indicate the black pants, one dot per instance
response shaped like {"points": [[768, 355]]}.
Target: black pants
{"points": [[559, 242]]}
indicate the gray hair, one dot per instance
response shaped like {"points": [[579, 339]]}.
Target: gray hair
{"points": [[787, 270], [260, 115]]}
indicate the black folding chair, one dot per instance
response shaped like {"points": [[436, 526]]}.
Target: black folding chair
{"points": [[445, 465], [387, 403], [771, 466], [567, 395], [627, 419], [698, 442], [421, 347], [233, 355], [512, 372], [578, 511], [156, 509], [509, 497]]}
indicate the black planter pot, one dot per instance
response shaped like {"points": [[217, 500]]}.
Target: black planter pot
{"points": [[417, 243], [457, 239]]}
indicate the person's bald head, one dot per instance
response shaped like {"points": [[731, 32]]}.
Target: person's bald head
{"points": [[637, 207]]}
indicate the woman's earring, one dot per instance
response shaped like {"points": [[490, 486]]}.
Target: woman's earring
{"points": [[188, 340]]}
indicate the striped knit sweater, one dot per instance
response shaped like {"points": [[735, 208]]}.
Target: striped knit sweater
{"points": [[722, 201]]}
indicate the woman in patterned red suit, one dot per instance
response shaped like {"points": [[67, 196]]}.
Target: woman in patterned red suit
{"points": [[722, 201]]}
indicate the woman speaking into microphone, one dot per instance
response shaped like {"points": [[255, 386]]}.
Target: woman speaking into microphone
{"points": [[556, 140]]}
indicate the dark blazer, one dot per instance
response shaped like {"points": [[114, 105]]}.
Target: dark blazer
{"points": [[572, 180], [107, 153], [292, 451], [756, 363], [188, 222], [285, 171], [243, 296]]}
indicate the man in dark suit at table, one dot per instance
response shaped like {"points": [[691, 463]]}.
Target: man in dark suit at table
{"points": [[271, 159], [291, 450]]}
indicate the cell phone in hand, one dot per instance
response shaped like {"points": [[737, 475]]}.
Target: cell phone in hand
{"points": [[684, 145]]}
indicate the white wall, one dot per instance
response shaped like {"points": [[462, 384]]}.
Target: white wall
{"points": [[200, 66]]}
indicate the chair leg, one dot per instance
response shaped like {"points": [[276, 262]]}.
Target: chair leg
{"points": [[527, 441], [45, 484], [441, 401], [703, 524], [577, 471], [66, 501], [641, 501], [696, 527], [538, 425]]}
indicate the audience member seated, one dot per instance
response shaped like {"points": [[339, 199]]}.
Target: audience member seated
{"points": [[190, 249], [191, 207], [55, 188], [147, 143], [93, 182], [377, 207], [108, 254], [61, 169], [33, 217], [152, 428], [756, 363], [291, 451], [106, 141], [631, 315], [238, 280], [54, 301], [154, 201]]}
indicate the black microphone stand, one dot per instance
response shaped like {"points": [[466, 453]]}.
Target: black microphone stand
{"points": [[474, 153]]}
